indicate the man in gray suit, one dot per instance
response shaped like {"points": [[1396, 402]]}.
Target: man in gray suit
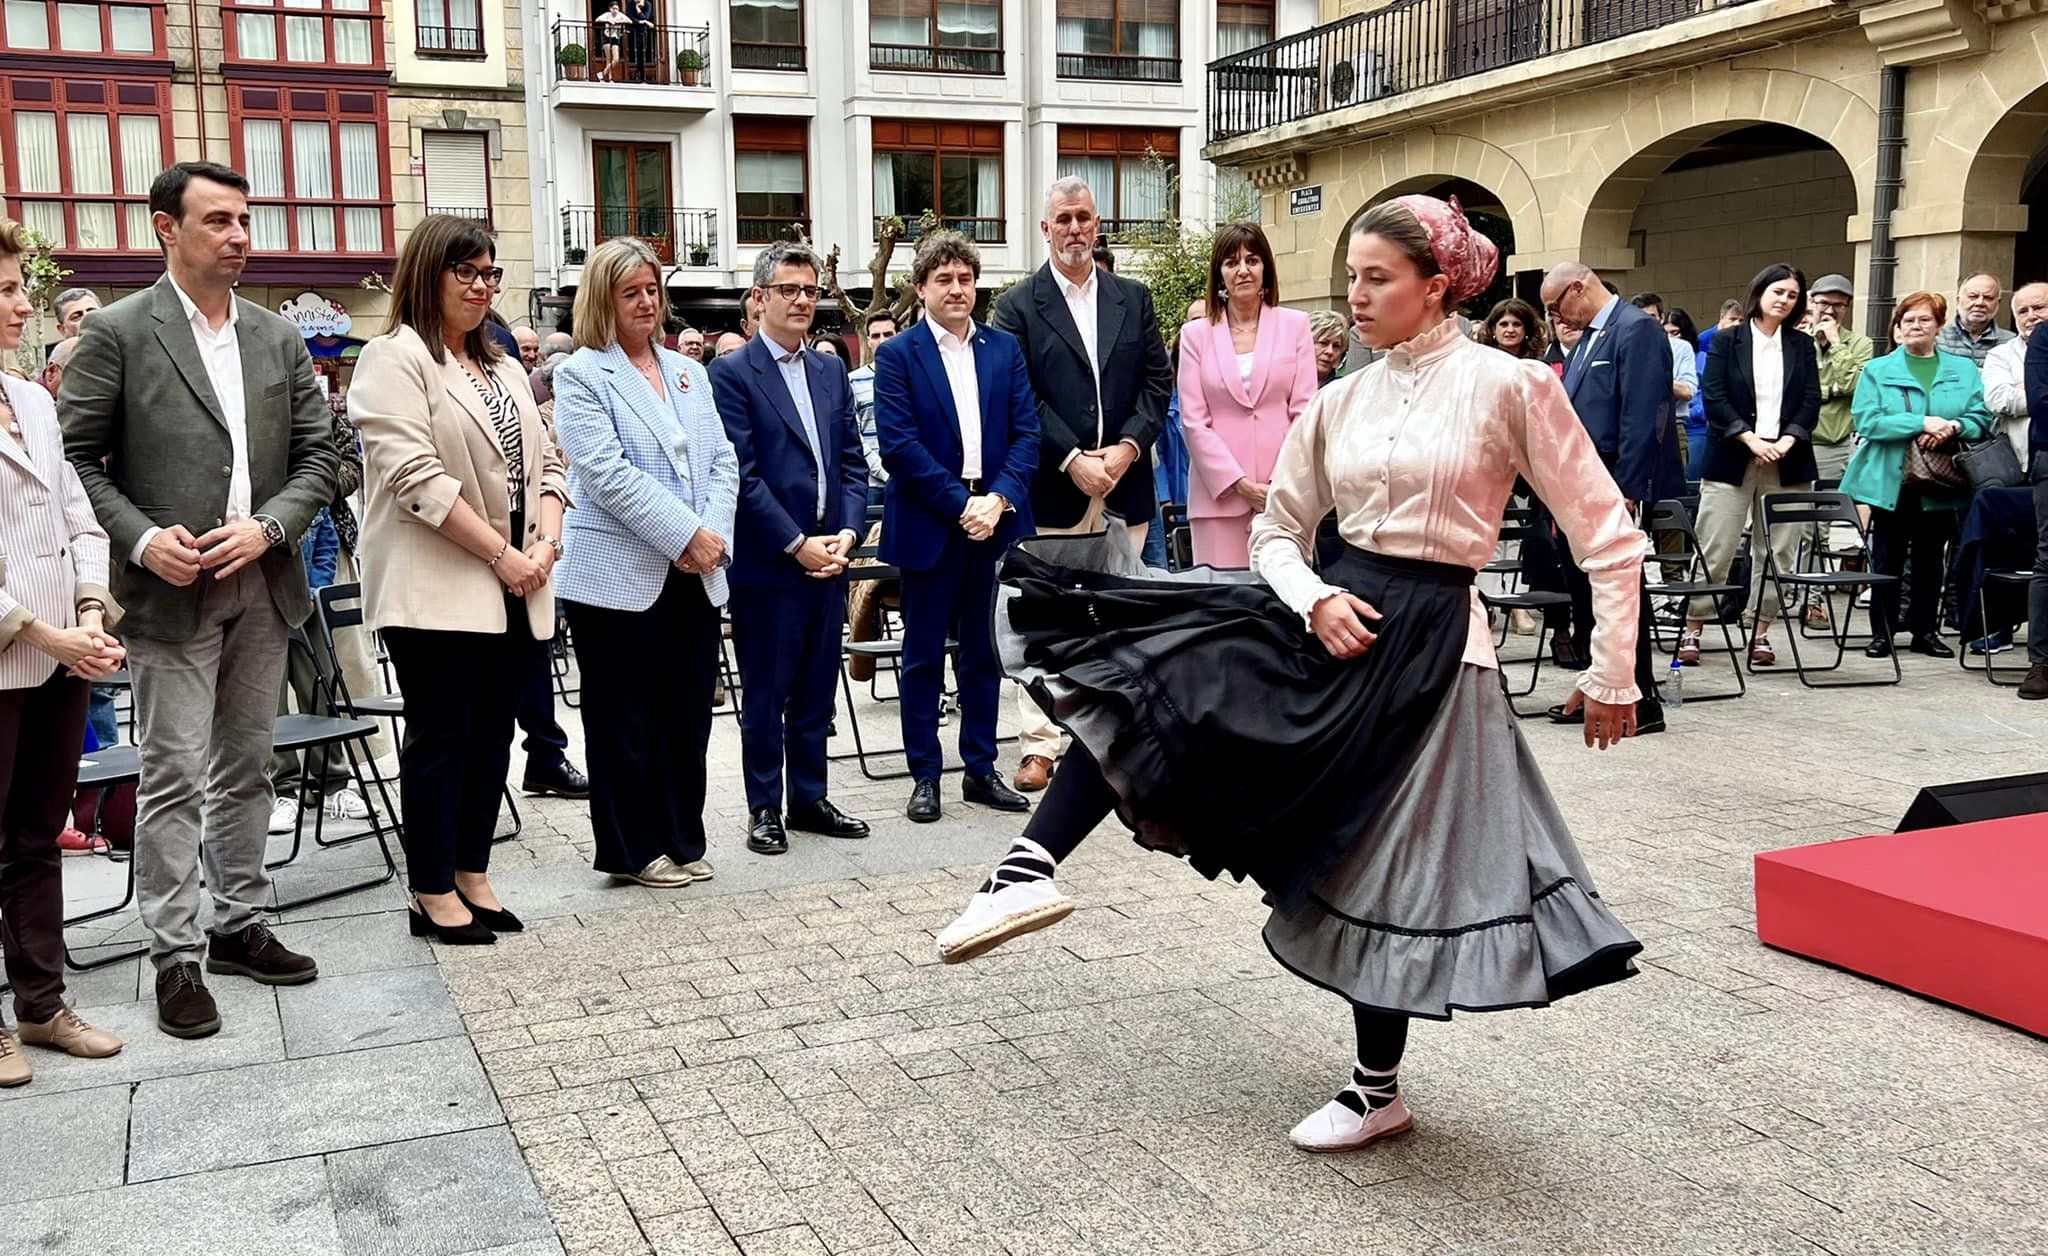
{"points": [[206, 447]]}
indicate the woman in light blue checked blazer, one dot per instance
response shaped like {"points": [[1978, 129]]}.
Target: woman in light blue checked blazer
{"points": [[655, 483]]}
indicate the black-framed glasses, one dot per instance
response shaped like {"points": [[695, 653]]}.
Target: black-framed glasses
{"points": [[468, 274], [791, 291]]}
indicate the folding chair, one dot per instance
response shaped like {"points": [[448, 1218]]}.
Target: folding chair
{"points": [[558, 662], [103, 770], [1512, 599], [1805, 510], [2019, 582], [1672, 518]]}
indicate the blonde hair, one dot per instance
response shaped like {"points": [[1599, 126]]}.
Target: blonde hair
{"points": [[596, 316], [1328, 325], [14, 240]]}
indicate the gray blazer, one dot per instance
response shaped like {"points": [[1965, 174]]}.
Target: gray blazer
{"points": [[145, 431]]}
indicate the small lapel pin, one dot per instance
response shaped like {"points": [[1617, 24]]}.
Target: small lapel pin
{"points": [[683, 381]]}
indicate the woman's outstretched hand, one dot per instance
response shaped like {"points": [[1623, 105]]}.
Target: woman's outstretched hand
{"points": [[1339, 623], [1606, 722]]}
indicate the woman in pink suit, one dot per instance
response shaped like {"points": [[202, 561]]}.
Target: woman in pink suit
{"points": [[1246, 372]]}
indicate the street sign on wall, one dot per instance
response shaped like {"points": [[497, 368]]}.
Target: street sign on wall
{"points": [[1304, 201]]}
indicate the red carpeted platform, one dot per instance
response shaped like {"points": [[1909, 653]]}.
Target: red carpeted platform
{"points": [[1959, 914]]}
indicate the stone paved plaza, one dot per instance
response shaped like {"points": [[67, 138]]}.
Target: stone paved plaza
{"points": [[773, 1064]]}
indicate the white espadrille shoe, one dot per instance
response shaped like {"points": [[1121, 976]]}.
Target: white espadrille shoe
{"points": [[993, 917], [1335, 1127]]}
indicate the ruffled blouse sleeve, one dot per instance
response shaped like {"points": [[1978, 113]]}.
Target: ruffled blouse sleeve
{"points": [[1283, 535], [1553, 452]]}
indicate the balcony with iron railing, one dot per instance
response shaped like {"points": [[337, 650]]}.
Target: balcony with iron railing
{"points": [[680, 237], [1411, 45], [927, 59], [753, 55], [448, 38], [644, 54], [762, 229], [981, 230], [1117, 67], [478, 213]]}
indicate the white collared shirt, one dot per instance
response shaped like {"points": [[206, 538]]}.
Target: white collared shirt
{"points": [[957, 356], [796, 378], [1767, 366], [1081, 302], [220, 353]]}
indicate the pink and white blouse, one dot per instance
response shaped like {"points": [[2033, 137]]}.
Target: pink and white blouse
{"points": [[1418, 453]]}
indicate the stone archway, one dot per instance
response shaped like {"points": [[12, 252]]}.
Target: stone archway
{"points": [[1423, 161]]}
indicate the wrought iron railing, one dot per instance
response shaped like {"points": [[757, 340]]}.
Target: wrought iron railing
{"points": [[481, 213], [681, 237], [758, 56], [1411, 45], [983, 230], [924, 57], [444, 39], [1125, 230], [598, 52], [767, 230], [1116, 65]]}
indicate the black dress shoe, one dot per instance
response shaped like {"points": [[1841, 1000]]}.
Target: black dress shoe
{"points": [[496, 919], [561, 780], [924, 802], [1566, 655], [1879, 648], [184, 1006], [474, 932], [826, 820], [1558, 715], [256, 953], [1649, 719], [991, 791], [764, 832], [1932, 646]]}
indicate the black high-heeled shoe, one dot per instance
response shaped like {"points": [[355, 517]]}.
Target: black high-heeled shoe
{"points": [[496, 919], [424, 926]]}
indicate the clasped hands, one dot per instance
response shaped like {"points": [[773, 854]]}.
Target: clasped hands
{"points": [[177, 557], [1764, 451], [1096, 471], [524, 571], [1935, 432], [703, 554], [825, 556], [982, 515], [87, 651]]}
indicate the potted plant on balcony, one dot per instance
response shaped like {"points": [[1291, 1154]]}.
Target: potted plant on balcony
{"points": [[573, 255], [700, 253], [690, 64], [572, 58]]}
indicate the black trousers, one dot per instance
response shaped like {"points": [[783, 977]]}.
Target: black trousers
{"points": [[2037, 594], [1581, 590], [461, 689], [1923, 534], [647, 679], [546, 745], [41, 731]]}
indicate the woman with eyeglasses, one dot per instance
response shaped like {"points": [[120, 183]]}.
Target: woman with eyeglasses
{"points": [[463, 524]]}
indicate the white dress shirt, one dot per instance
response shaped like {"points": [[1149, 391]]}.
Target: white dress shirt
{"points": [[1081, 302], [220, 352], [1767, 367], [2005, 392], [957, 356]]}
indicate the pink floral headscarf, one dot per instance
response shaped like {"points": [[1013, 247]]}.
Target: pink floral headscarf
{"points": [[1467, 258]]}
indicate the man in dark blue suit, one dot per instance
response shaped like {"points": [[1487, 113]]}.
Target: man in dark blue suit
{"points": [[958, 426], [1619, 380], [803, 500]]}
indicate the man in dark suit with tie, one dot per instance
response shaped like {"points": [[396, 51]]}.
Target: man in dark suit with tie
{"points": [[1619, 380], [1100, 372], [958, 427], [803, 502]]}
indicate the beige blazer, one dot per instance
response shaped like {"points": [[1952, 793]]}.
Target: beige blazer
{"points": [[52, 551], [428, 440]]}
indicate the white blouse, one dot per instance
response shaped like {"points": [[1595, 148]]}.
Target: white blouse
{"points": [[1418, 453], [1767, 368]]}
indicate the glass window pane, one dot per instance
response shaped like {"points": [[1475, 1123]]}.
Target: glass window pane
{"points": [[359, 181], [256, 36], [133, 31], [45, 218], [142, 156], [910, 180], [769, 172], [92, 160], [351, 41], [351, 6], [303, 41], [970, 24], [316, 229], [767, 21], [78, 29], [312, 168], [365, 230], [263, 156], [95, 221], [140, 234], [28, 24], [35, 149], [267, 231]]}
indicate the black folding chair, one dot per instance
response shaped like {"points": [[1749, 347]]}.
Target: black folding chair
{"points": [[104, 770], [2016, 582], [1513, 598], [1806, 510], [1671, 518]]}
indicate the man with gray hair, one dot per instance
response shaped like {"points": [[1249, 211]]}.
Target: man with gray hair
{"points": [[1099, 369], [1974, 332], [71, 307], [53, 370], [803, 505]]}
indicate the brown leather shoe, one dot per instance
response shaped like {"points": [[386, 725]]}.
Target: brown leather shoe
{"points": [[1034, 773], [14, 1066], [69, 1033]]}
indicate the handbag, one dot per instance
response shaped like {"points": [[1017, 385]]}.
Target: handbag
{"points": [[1931, 470], [1989, 463]]}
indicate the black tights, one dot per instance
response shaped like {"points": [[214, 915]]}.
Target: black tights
{"points": [[1382, 1038]]}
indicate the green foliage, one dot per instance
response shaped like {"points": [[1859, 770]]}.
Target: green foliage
{"points": [[689, 59], [1173, 260], [42, 278], [572, 55]]}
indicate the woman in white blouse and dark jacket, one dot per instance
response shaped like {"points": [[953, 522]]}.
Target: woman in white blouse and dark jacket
{"points": [[1762, 388], [55, 613], [464, 497]]}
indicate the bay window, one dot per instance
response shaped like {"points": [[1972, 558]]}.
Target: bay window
{"points": [[954, 169], [1131, 170], [81, 155], [315, 160], [305, 32]]}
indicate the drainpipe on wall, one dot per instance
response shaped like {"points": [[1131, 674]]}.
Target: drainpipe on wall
{"points": [[1891, 177]]}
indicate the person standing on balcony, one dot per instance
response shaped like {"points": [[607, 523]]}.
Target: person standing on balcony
{"points": [[612, 27], [1098, 366], [1975, 331], [646, 67]]}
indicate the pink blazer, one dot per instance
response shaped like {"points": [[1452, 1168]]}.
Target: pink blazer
{"points": [[1233, 429]]}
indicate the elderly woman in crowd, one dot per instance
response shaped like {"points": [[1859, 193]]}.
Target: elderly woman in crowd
{"points": [[462, 526], [1515, 328], [1915, 394], [1330, 331], [657, 483], [54, 615], [1247, 369], [1762, 388]]}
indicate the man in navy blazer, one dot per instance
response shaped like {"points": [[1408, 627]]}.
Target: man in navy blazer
{"points": [[1619, 380], [803, 504], [958, 427]]}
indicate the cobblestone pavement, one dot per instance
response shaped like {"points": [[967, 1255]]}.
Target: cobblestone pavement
{"points": [[773, 1064]]}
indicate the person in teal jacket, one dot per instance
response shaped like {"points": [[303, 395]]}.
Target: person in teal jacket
{"points": [[1914, 393]]}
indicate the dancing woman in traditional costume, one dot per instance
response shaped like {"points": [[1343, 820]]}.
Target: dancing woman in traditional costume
{"points": [[1340, 736]]}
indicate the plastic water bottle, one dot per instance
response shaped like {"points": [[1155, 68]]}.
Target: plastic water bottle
{"points": [[1674, 686]]}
